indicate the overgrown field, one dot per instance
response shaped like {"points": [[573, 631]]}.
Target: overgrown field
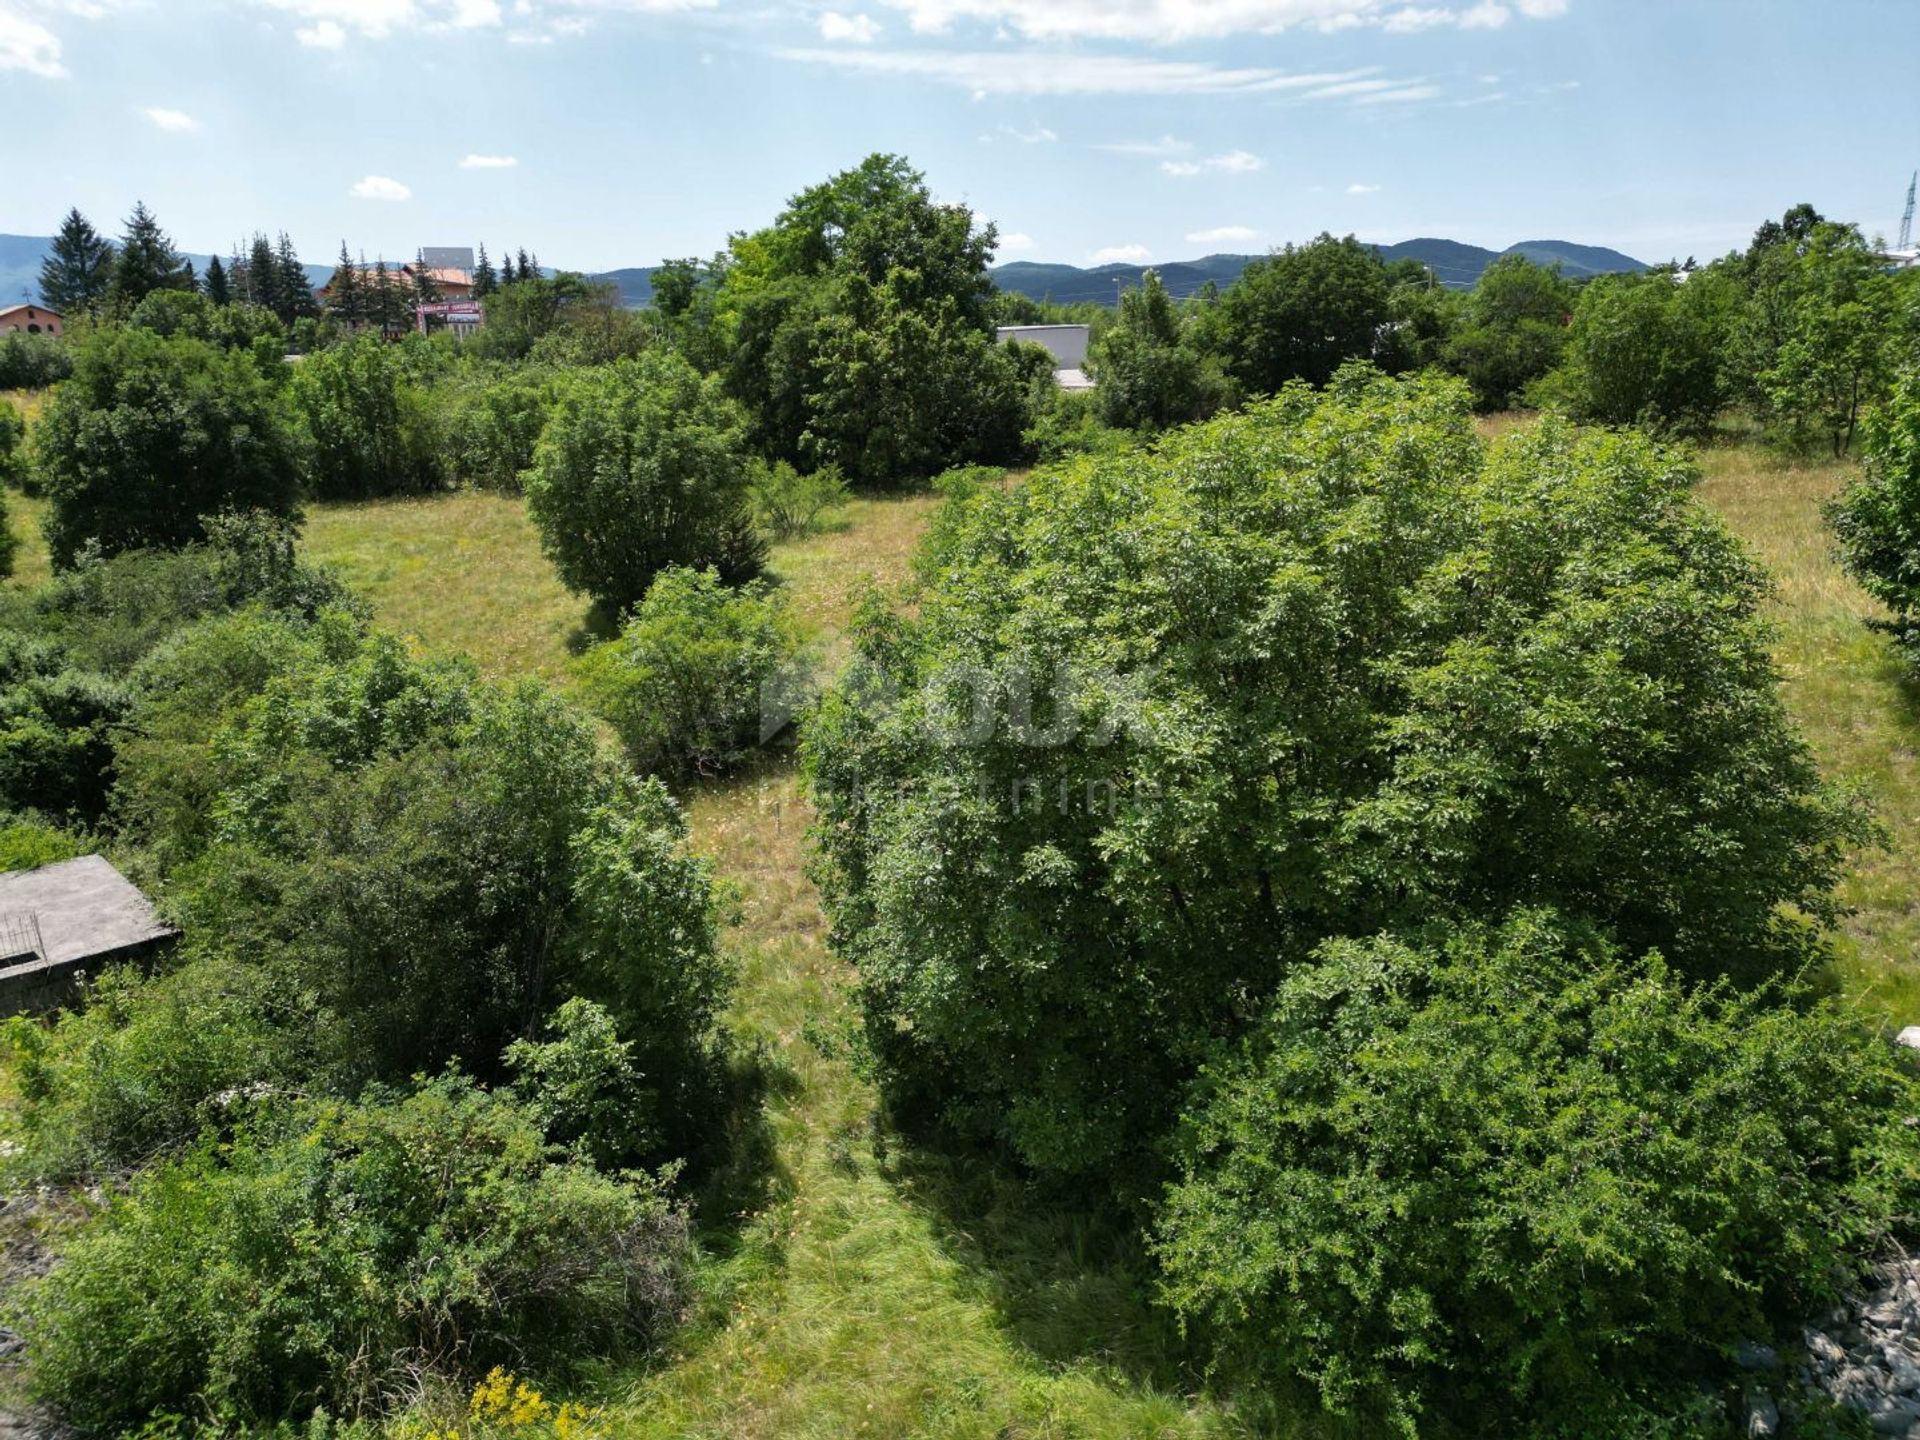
{"points": [[867, 1288]]}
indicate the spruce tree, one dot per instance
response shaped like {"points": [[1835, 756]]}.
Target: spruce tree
{"points": [[75, 276], [296, 294], [507, 277], [147, 261], [343, 291], [485, 282], [527, 272], [216, 283], [263, 276]]}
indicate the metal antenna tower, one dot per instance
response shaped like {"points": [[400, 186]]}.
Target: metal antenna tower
{"points": [[1906, 220]]}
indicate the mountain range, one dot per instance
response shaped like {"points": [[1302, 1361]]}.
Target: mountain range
{"points": [[1452, 263]]}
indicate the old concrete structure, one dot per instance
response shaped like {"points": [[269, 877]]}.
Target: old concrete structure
{"points": [[1066, 343], [61, 923]]}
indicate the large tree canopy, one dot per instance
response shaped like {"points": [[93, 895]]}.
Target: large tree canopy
{"points": [[1167, 721]]}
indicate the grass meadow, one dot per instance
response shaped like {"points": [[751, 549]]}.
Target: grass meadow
{"points": [[862, 1287]]}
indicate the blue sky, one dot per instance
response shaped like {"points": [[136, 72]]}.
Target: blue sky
{"points": [[615, 132]]}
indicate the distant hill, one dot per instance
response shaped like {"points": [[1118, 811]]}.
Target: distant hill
{"points": [[635, 284], [1453, 263]]}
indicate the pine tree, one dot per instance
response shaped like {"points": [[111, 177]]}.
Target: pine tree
{"points": [[388, 301], [263, 277], [426, 289], [216, 284], [527, 272], [507, 277], [343, 291], [296, 294], [147, 261], [75, 276], [485, 282]]}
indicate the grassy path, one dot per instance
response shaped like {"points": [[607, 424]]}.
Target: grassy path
{"points": [[1853, 700]]}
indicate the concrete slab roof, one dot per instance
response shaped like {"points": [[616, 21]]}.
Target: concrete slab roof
{"points": [[83, 908]]}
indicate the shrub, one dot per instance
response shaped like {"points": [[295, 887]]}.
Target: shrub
{"points": [[788, 503], [1877, 518], [13, 461], [493, 430], [28, 842], [421, 865], [583, 1085], [1165, 722], [33, 362], [329, 1253], [150, 437], [1514, 1178], [1648, 350], [371, 430], [641, 467], [690, 678], [1513, 331], [1152, 374]]}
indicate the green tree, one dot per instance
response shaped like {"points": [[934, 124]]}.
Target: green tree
{"points": [[294, 293], [370, 430], [675, 283], [146, 261], [78, 271], [643, 465], [344, 299], [1150, 375], [1165, 721], [1513, 332], [151, 436], [216, 288], [1651, 349], [1504, 1178], [1302, 313], [1877, 517], [1841, 326], [485, 281]]}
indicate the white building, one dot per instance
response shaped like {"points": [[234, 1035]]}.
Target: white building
{"points": [[1066, 343]]}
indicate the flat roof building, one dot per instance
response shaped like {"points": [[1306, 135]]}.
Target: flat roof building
{"points": [[61, 923], [1066, 343]]}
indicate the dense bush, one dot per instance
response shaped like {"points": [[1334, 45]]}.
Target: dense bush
{"points": [[431, 864], [371, 430], [1650, 350], [695, 674], [191, 314], [1303, 312], [1878, 516], [151, 436], [13, 460], [788, 502], [492, 429], [1518, 1179], [1512, 332], [33, 362], [643, 466], [1151, 372], [1165, 722], [328, 1253]]}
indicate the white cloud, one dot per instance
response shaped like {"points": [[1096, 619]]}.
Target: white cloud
{"points": [[1408, 92], [1039, 135], [1169, 21], [1017, 244], [855, 29], [26, 45], [379, 187], [1122, 255], [1159, 149], [1234, 162], [1359, 189], [331, 22], [1222, 235], [177, 122], [1036, 72], [489, 162]]}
